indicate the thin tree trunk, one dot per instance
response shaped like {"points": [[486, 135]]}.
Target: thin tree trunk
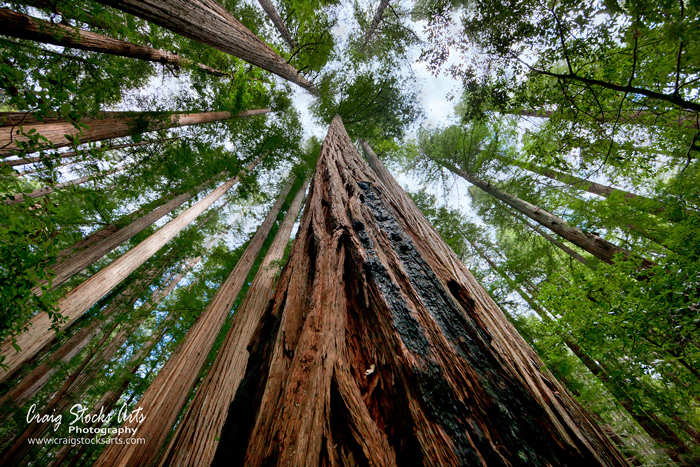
{"points": [[647, 204], [590, 242], [195, 440], [67, 267], [380, 349], [47, 190], [66, 155], [553, 240], [27, 27], [378, 15], [277, 21], [64, 133], [641, 117], [211, 24], [172, 386], [81, 298], [659, 431]]}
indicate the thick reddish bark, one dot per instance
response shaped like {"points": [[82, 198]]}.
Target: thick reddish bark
{"points": [[27, 27], [195, 440], [78, 300], [590, 242], [64, 133], [166, 396], [380, 349], [277, 22], [211, 24]]}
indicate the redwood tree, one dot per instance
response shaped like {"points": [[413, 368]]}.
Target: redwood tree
{"points": [[380, 348]]}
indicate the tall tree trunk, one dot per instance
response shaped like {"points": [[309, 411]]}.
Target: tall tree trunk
{"points": [[590, 242], [67, 266], [380, 348], [641, 117], [378, 15], [581, 259], [168, 393], [66, 155], [277, 21], [38, 377], [195, 440], [81, 298], [27, 27], [642, 202], [64, 133], [659, 431], [211, 24], [47, 190]]}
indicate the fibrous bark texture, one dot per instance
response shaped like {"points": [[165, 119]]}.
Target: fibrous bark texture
{"points": [[590, 242], [379, 348], [64, 133], [165, 397], [81, 298], [23, 26], [211, 24], [195, 440], [277, 22]]}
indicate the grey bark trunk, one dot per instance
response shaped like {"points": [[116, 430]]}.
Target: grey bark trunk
{"points": [[194, 442], [169, 391], [27, 27], [80, 299], [277, 21], [378, 15], [63, 133], [590, 242], [211, 24]]}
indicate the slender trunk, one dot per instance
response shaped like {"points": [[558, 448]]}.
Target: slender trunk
{"points": [[67, 266], [81, 298], [22, 26], [553, 240], [378, 15], [211, 24], [277, 21], [66, 155], [380, 348], [590, 242], [641, 117], [64, 133], [172, 386], [642, 202], [47, 190], [194, 443], [659, 431]]}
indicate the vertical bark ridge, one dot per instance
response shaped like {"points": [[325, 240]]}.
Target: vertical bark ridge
{"points": [[211, 24], [27, 27], [82, 297], [194, 442], [165, 397], [61, 133], [371, 318]]}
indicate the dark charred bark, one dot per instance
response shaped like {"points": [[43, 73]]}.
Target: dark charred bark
{"points": [[167, 395], [379, 348]]}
